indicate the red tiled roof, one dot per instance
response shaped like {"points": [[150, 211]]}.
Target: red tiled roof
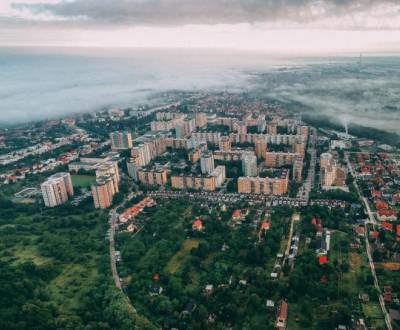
{"points": [[323, 260], [237, 214], [381, 205], [198, 224], [265, 225], [387, 225], [375, 193], [387, 213], [374, 234]]}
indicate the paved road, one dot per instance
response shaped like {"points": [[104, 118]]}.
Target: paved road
{"points": [[113, 262], [308, 184], [372, 220], [113, 223]]}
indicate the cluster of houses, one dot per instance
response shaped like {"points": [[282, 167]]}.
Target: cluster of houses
{"points": [[50, 164], [381, 174], [130, 213]]}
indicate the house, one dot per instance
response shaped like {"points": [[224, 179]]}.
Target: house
{"points": [[323, 260], [364, 297], [281, 320], [265, 226], [387, 226], [394, 314], [209, 289], [387, 293], [381, 205], [321, 248], [270, 303], [360, 231], [131, 228], [155, 289], [374, 234], [376, 193], [198, 225], [239, 215], [387, 215]]}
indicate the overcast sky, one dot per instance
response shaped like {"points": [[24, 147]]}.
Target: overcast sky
{"points": [[280, 26]]}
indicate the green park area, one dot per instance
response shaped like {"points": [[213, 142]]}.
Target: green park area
{"points": [[83, 181]]}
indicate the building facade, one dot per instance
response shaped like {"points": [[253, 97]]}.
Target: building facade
{"points": [[266, 186], [152, 177], [56, 189], [249, 165], [207, 162], [121, 140]]}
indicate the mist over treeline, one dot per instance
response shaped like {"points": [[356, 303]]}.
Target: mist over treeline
{"points": [[41, 83], [323, 121]]}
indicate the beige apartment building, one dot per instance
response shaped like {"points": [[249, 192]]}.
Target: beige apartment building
{"points": [[103, 192], [194, 182], [225, 143], [265, 186], [261, 148], [152, 177], [56, 189], [121, 140], [279, 159]]}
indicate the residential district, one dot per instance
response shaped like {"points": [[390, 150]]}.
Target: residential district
{"points": [[251, 191]]}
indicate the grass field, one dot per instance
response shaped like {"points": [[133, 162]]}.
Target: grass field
{"points": [[28, 253], [176, 261], [374, 315], [66, 288], [83, 181]]}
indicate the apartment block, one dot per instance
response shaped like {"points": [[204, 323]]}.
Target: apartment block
{"points": [[298, 169], [109, 169], [209, 137], [103, 192], [185, 128], [268, 186], [132, 168], [121, 140], [225, 143], [194, 182], [152, 177], [201, 120], [279, 159], [249, 165], [207, 162], [261, 148], [232, 155], [332, 174], [56, 189]]}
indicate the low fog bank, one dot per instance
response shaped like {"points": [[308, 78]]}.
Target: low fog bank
{"points": [[364, 92], [47, 83], [39, 83]]}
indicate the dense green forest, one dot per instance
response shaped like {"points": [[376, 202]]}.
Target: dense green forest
{"points": [[54, 271]]}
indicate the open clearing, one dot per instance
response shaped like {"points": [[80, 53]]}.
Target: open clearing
{"points": [[176, 261]]}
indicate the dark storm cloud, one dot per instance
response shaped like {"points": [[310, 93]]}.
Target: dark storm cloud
{"points": [[180, 12]]}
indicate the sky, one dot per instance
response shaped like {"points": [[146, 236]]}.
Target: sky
{"points": [[277, 26]]}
